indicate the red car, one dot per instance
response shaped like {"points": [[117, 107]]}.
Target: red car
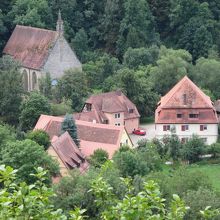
{"points": [[139, 132]]}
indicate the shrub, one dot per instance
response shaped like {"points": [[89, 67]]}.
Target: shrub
{"points": [[98, 158], [40, 137]]}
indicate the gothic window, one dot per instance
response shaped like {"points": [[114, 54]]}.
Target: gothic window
{"points": [[34, 81], [25, 80]]}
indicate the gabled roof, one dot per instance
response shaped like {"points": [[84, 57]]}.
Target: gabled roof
{"points": [[195, 97], [68, 152], [113, 102], [185, 98], [92, 135], [30, 45]]}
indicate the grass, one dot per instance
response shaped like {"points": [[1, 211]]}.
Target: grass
{"points": [[212, 171]]}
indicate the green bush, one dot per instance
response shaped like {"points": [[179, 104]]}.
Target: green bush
{"points": [[58, 109], [40, 137], [98, 158]]}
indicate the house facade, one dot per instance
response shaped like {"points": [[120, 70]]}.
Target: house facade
{"points": [[112, 108], [40, 51], [92, 136], [185, 110]]}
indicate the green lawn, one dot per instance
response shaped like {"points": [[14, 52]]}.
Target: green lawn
{"points": [[213, 172]]}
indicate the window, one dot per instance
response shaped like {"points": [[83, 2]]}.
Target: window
{"points": [[193, 115], [88, 107], [185, 127], [203, 127], [117, 124], [105, 121], [34, 81], [179, 115], [184, 99], [117, 115], [131, 110], [126, 141], [166, 128]]}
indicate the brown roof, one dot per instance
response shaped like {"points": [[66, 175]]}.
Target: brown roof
{"points": [[196, 102], [92, 135], [87, 116], [30, 45], [113, 102], [68, 152]]}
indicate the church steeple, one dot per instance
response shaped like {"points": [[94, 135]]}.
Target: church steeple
{"points": [[59, 24]]}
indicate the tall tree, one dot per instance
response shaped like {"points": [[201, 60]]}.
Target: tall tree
{"points": [[26, 156], [73, 86], [69, 125], [137, 27], [11, 89], [171, 66], [32, 107], [33, 13]]}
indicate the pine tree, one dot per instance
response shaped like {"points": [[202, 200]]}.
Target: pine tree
{"points": [[70, 126]]}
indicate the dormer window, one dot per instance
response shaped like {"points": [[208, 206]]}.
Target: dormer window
{"points": [[88, 107], [130, 110], [193, 115], [179, 115]]}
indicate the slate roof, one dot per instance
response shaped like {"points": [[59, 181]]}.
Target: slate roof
{"points": [[69, 153], [113, 102], [196, 102], [30, 45], [92, 135]]}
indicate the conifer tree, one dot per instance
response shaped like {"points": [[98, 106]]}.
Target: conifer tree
{"points": [[70, 126]]}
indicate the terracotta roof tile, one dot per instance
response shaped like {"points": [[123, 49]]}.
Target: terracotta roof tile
{"points": [[30, 45], [185, 98], [103, 136], [112, 102]]}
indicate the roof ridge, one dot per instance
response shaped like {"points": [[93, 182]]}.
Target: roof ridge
{"points": [[37, 28]]}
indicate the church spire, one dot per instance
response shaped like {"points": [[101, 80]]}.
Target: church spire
{"points": [[59, 24]]}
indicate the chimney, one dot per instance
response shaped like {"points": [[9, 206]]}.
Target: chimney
{"points": [[118, 93], [59, 27]]}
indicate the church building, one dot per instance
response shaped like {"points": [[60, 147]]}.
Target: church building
{"points": [[40, 51]]}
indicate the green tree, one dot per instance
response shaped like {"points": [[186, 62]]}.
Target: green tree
{"points": [[69, 125], [207, 74], [171, 66], [73, 86], [45, 85], [193, 148], [11, 90], [98, 158], [40, 137], [80, 44], [58, 109], [22, 201], [32, 13], [25, 156], [135, 57], [198, 200], [137, 27], [32, 107]]}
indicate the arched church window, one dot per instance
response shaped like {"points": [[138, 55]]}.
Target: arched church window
{"points": [[34, 81], [25, 80]]}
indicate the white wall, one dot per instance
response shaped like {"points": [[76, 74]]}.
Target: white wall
{"points": [[211, 133]]}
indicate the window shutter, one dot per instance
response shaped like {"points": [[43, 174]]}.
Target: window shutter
{"points": [[183, 128], [201, 128], [164, 128]]}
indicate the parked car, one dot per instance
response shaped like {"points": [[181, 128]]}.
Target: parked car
{"points": [[139, 132]]}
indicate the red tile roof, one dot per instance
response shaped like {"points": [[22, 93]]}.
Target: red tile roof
{"points": [[196, 102], [112, 102], [92, 136], [69, 153], [30, 45]]}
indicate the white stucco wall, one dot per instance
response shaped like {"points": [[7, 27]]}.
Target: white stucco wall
{"points": [[211, 133], [60, 59]]}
